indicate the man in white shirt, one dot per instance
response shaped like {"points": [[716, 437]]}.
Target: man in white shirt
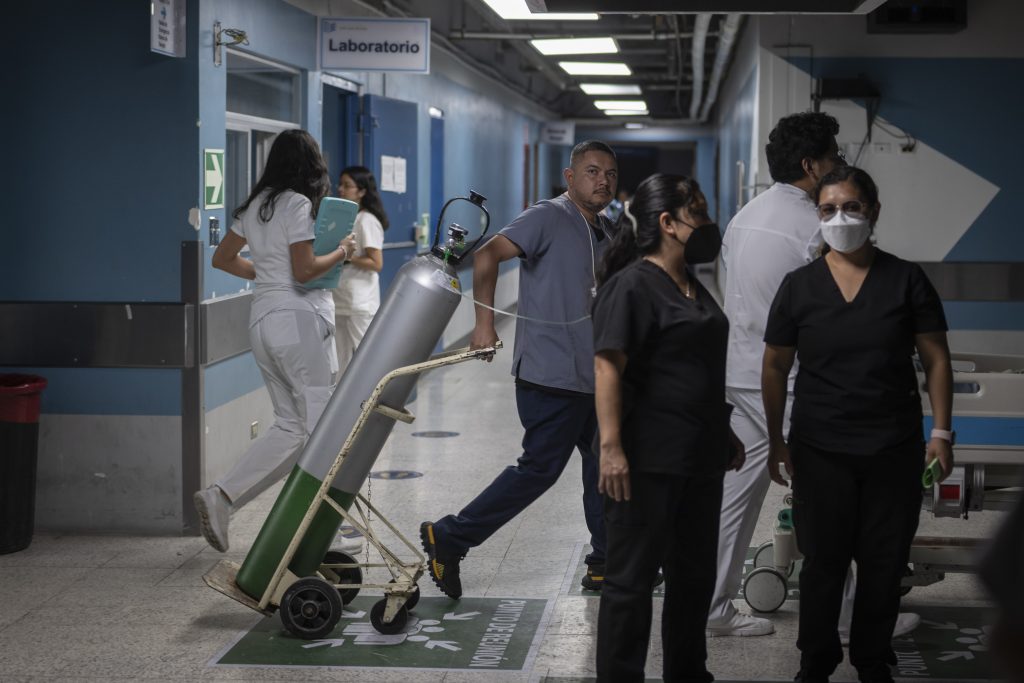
{"points": [[775, 233]]}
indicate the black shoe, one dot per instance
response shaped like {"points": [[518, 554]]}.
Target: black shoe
{"points": [[594, 578], [444, 569]]}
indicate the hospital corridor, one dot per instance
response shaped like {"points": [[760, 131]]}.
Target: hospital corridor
{"points": [[513, 341]]}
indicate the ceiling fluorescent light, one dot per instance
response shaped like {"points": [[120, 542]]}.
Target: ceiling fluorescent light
{"points": [[517, 10], [575, 46], [630, 105], [595, 68], [634, 125], [609, 89], [625, 112]]}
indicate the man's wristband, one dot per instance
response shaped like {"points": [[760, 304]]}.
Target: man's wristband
{"points": [[945, 435]]}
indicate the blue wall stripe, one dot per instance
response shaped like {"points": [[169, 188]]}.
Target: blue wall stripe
{"points": [[230, 379], [985, 431], [108, 391], [984, 315]]}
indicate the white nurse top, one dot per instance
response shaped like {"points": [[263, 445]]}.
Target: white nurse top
{"points": [[776, 232]]}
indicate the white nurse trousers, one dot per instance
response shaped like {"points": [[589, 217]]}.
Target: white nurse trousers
{"points": [[349, 330], [743, 495], [293, 350]]}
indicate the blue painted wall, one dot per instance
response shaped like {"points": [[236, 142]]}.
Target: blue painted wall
{"points": [[103, 142], [968, 109], [735, 133]]}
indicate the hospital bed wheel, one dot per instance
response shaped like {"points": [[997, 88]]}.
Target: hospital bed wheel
{"points": [[396, 625], [413, 599], [310, 608], [349, 575], [764, 556], [765, 589]]}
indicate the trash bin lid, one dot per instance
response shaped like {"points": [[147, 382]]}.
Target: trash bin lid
{"points": [[15, 384]]}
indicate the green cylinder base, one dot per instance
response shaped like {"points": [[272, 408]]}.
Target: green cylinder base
{"points": [[277, 532]]}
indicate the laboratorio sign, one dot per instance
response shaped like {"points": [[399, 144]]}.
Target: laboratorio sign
{"points": [[376, 47]]}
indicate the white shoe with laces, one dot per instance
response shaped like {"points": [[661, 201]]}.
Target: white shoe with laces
{"points": [[214, 515], [905, 623], [739, 624]]}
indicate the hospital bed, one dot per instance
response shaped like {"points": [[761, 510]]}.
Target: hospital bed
{"points": [[988, 416]]}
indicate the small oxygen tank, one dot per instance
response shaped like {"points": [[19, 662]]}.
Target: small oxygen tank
{"points": [[406, 329]]}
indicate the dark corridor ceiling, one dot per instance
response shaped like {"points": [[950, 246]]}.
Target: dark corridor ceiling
{"points": [[655, 38]]}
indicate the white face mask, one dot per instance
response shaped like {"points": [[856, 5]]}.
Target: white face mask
{"points": [[844, 232]]}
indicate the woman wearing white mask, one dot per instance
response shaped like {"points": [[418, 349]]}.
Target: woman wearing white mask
{"points": [[856, 448]]}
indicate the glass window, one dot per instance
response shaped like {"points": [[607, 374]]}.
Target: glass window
{"points": [[260, 88]]}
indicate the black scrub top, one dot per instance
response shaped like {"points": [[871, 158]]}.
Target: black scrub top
{"points": [[856, 387], [675, 419]]}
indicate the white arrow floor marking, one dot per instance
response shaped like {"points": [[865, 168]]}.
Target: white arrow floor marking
{"points": [[333, 642], [465, 616], [444, 644], [951, 654]]}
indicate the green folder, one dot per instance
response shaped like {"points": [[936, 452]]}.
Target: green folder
{"points": [[334, 222]]}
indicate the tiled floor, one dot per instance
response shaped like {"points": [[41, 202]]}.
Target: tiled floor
{"points": [[76, 608]]}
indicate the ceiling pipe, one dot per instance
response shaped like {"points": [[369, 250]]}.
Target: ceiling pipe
{"points": [[462, 34], [726, 39], [700, 34]]}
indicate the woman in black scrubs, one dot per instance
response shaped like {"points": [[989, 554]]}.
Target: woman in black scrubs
{"points": [[856, 448], [660, 340]]}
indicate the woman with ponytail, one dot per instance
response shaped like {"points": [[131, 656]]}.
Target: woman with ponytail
{"points": [[660, 343]]}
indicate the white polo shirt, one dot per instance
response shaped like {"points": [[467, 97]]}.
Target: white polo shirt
{"points": [[775, 233]]}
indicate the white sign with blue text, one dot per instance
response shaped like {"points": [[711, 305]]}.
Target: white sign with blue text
{"points": [[375, 44]]}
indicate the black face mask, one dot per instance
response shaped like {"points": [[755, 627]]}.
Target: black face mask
{"points": [[704, 244]]}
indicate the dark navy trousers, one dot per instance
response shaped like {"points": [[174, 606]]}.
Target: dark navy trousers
{"points": [[555, 425]]}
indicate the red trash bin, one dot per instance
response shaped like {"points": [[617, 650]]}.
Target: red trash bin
{"points": [[19, 441]]}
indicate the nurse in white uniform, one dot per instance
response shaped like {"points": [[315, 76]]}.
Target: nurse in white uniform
{"points": [[357, 297], [290, 327]]}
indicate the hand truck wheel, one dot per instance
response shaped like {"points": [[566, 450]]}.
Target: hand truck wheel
{"points": [[347, 575], [397, 623], [414, 597], [311, 608], [764, 556], [765, 589]]}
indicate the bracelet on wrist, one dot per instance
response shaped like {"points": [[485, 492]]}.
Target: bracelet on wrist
{"points": [[945, 435]]}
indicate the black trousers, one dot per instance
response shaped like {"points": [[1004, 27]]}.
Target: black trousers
{"points": [[671, 522], [853, 507]]}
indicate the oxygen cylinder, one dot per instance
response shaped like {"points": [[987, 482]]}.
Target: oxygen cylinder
{"points": [[405, 330]]}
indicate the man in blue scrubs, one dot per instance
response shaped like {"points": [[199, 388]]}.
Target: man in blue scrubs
{"points": [[559, 243]]}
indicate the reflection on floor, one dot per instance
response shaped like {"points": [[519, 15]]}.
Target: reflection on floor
{"points": [[76, 608]]}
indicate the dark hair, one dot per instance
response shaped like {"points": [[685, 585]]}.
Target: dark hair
{"points": [[857, 177], [295, 164], [371, 201], [589, 146], [654, 196], [809, 135]]}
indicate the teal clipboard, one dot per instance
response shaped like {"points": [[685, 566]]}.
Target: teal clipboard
{"points": [[334, 222]]}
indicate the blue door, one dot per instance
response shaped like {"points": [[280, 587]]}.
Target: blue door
{"points": [[389, 129]]}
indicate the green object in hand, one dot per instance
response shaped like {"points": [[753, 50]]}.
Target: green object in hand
{"points": [[931, 473], [786, 518]]}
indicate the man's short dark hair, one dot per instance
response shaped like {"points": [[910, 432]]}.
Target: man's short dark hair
{"points": [[589, 146], [809, 135]]}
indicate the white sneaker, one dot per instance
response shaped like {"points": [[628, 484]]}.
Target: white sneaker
{"points": [[905, 623], [739, 624], [214, 514], [352, 545]]}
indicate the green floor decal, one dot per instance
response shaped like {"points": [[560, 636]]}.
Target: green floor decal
{"points": [[951, 644], [477, 634], [572, 586]]}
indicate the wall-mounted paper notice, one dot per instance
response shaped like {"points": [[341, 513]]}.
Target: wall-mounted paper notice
{"points": [[387, 173], [400, 175]]}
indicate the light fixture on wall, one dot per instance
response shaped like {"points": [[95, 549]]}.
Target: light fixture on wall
{"points": [[234, 36]]}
